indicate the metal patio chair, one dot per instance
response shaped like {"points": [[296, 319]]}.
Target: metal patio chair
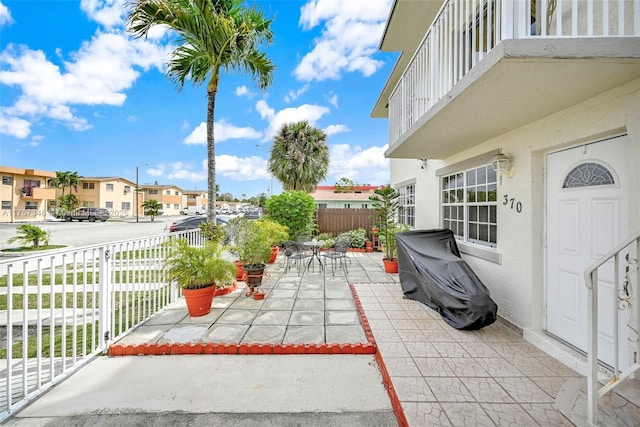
{"points": [[338, 254]]}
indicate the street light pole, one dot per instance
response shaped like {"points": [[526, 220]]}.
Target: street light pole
{"points": [[138, 192]]}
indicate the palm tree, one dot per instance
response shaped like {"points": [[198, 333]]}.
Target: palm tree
{"points": [[63, 180], [29, 234], [152, 208], [299, 156], [214, 35], [66, 179]]}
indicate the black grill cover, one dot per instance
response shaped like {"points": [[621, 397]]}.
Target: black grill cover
{"points": [[432, 272]]}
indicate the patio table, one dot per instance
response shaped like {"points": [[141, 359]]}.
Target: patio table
{"points": [[315, 248]]}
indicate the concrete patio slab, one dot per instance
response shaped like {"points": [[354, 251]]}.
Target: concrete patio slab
{"points": [[307, 318], [243, 317], [272, 317], [264, 334], [309, 305], [225, 333], [304, 334], [345, 334]]}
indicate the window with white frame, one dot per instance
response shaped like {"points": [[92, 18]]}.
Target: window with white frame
{"points": [[7, 180], [6, 204], [469, 205], [153, 191], [168, 192], [176, 206], [32, 206], [407, 205], [126, 206], [88, 185], [108, 205], [127, 188], [109, 187]]}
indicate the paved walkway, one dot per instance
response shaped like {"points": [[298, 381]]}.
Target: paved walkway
{"points": [[440, 376]]}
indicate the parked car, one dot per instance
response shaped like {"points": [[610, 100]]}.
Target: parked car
{"points": [[252, 214], [90, 214], [190, 210], [194, 222]]}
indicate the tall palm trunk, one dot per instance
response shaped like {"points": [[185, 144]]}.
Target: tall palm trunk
{"points": [[211, 152]]}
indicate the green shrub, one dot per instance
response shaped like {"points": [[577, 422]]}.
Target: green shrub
{"points": [[327, 239], [293, 209], [358, 237]]}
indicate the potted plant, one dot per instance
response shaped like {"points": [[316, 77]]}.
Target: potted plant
{"points": [[235, 228], [196, 271], [275, 233], [253, 248], [385, 203]]}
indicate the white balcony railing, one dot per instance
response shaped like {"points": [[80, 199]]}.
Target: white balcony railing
{"points": [[464, 31], [59, 310], [624, 284]]}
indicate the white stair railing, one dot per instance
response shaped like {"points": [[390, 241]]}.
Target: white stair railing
{"points": [[625, 292]]}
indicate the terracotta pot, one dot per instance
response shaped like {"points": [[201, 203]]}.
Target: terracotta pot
{"points": [[199, 300], [368, 246], [227, 290], [239, 270], [390, 266], [258, 295], [274, 255]]}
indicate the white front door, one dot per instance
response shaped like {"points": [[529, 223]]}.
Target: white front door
{"points": [[586, 218]]}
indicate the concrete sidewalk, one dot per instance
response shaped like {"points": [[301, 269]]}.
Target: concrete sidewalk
{"points": [[217, 390]]}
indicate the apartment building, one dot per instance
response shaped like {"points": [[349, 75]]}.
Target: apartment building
{"points": [[516, 124], [170, 196], [113, 193], [25, 194], [330, 196]]}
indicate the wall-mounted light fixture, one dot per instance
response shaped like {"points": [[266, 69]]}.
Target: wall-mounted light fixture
{"points": [[423, 163], [501, 164]]}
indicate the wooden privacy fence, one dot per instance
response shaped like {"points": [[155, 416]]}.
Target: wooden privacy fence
{"points": [[336, 221]]}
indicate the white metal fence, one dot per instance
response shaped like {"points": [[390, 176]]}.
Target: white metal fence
{"points": [[464, 31], [58, 311], [628, 299]]}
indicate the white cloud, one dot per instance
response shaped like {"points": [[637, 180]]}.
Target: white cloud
{"points": [[98, 73], [349, 37], [109, 13], [5, 15], [292, 95], [333, 99], [368, 166], [14, 126], [131, 118], [334, 129], [309, 112], [35, 140], [242, 168], [243, 91], [222, 131], [237, 168]]}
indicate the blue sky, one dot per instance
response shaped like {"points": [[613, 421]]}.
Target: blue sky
{"points": [[78, 93]]}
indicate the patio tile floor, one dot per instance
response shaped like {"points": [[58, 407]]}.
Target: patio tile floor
{"points": [[442, 376]]}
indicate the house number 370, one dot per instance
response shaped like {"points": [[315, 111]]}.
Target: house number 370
{"points": [[511, 202]]}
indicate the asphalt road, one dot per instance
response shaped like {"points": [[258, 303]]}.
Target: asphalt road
{"points": [[75, 234]]}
